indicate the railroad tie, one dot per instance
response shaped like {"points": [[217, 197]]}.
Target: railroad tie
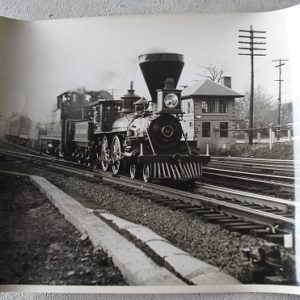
{"points": [[246, 229]]}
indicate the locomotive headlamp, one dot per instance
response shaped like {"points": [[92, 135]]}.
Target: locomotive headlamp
{"points": [[167, 131], [171, 100]]}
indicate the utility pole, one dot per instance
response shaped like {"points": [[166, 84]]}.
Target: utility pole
{"points": [[114, 92], [280, 64], [251, 40]]}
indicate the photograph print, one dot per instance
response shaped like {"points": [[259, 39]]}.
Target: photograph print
{"points": [[149, 151]]}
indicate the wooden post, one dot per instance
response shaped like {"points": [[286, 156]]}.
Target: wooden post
{"points": [[289, 135], [207, 149], [280, 61], [246, 137], [258, 137]]}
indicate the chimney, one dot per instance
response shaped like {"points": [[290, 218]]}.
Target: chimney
{"points": [[226, 81], [157, 68]]}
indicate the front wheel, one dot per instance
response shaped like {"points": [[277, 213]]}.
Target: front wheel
{"points": [[146, 173], [133, 171]]}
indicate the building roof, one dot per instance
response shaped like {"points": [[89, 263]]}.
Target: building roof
{"points": [[207, 87]]}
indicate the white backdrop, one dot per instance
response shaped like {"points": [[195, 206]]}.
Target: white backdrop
{"points": [[47, 9]]}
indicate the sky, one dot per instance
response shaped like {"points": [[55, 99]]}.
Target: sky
{"points": [[42, 59]]}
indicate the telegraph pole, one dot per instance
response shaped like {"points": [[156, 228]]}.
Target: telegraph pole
{"points": [[280, 64], [251, 40]]}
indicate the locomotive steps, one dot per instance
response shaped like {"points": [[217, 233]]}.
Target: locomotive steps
{"points": [[170, 265]]}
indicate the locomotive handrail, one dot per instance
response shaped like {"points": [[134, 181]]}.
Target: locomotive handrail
{"points": [[187, 144], [150, 142]]}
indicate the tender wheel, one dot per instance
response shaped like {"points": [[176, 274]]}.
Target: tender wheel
{"points": [[105, 154], [116, 154], [98, 156], [133, 171], [77, 156], [146, 173], [88, 157]]}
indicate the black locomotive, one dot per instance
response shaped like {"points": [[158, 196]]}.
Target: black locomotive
{"points": [[130, 135]]}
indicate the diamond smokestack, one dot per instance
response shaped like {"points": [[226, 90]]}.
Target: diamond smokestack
{"points": [[157, 67]]}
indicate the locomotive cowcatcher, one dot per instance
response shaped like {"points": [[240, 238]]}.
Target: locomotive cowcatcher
{"points": [[144, 138]]}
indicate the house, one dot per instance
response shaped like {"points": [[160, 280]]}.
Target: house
{"points": [[209, 113]]}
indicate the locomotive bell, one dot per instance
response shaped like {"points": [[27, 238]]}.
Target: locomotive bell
{"points": [[157, 67], [140, 106]]}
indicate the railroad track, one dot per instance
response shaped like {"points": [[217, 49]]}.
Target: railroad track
{"points": [[267, 217], [257, 165], [277, 185], [270, 203], [274, 185]]}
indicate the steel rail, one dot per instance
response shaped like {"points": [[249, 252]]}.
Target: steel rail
{"points": [[251, 198], [284, 186], [194, 199], [251, 174], [221, 172], [293, 164], [44, 157], [260, 166], [257, 160], [254, 163]]}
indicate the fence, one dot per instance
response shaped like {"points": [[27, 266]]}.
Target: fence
{"points": [[270, 134]]}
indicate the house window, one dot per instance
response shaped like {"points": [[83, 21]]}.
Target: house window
{"points": [[191, 124], [206, 129], [205, 106], [223, 129], [189, 107], [214, 106]]}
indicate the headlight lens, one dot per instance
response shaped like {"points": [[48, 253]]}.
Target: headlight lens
{"points": [[171, 100], [167, 131]]}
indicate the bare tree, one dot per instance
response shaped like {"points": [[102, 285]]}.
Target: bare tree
{"points": [[212, 72], [264, 107]]}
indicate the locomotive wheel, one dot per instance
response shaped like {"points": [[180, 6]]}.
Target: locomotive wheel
{"points": [[133, 171], [116, 154], [146, 173], [98, 156], [105, 154], [98, 161]]}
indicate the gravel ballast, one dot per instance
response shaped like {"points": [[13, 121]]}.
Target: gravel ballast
{"points": [[205, 241], [208, 242]]}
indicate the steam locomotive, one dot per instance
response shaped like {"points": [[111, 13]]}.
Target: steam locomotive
{"points": [[129, 135]]}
